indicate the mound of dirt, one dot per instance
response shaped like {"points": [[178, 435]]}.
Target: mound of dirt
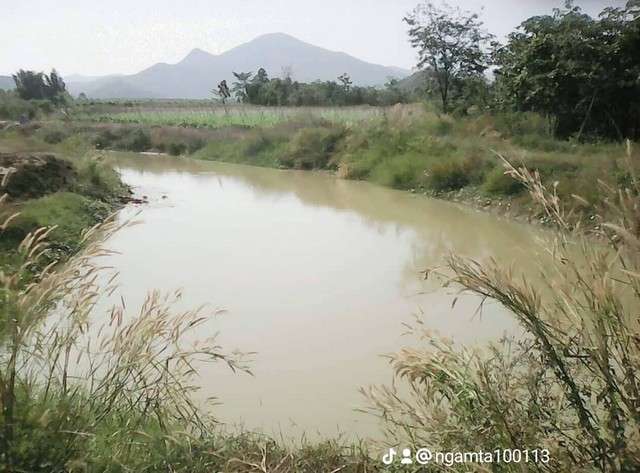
{"points": [[35, 175]]}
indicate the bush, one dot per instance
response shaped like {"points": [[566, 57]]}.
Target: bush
{"points": [[105, 139], [405, 171], [138, 140], [13, 107], [98, 180], [123, 139], [499, 183], [54, 137], [176, 149], [447, 176], [523, 123], [544, 143], [195, 145], [311, 148]]}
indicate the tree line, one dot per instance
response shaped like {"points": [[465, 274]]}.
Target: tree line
{"points": [[259, 89]]}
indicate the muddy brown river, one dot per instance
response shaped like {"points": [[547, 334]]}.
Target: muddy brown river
{"points": [[317, 276]]}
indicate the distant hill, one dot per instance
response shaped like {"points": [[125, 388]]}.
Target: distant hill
{"points": [[200, 71], [6, 83]]}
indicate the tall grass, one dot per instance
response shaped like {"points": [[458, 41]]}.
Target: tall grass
{"points": [[571, 384], [81, 393]]}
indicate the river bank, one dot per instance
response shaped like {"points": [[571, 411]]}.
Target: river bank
{"points": [[47, 422], [403, 148], [70, 192]]}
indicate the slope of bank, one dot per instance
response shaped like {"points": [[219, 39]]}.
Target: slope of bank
{"points": [[69, 190], [404, 147]]}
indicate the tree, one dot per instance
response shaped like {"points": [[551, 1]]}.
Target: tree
{"points": [[31, 85], [345, 81], [222, 92], [240, 87], [449, 41], [55, 89], [584, 72]]}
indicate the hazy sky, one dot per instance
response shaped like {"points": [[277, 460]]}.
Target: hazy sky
{"points": [[125, 36]]}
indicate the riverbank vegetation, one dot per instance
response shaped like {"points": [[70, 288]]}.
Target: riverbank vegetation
{"points": [[81, 395], [71, 194], [408, 147], [570, 385]]}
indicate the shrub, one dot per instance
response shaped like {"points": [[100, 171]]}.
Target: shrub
{"points": [[311, 148], [176, 149], [499, 183], [137, 140], [447, 176], [544, 143], [54, 136], [105, 139], [98, 180], [439, 125], [13, 107], [523, 123], [405, 171], [195, 145]]}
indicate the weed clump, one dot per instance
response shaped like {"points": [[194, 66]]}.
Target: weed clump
{"points": [[498, 182], [311, 148], [447, 176]]}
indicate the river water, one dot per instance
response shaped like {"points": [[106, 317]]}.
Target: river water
{"points": [[317, 276]]}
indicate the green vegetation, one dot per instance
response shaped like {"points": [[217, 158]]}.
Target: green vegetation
{"points": [[38, 86], [127, 406], [594, 66], [570, 385], [452, 44], [217, 116], [261, 90], [43, 190]]}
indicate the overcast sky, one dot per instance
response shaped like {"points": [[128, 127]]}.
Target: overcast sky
{"points": [[126, 36]]}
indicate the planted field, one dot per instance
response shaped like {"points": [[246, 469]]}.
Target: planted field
{"points": [[216, 116]]}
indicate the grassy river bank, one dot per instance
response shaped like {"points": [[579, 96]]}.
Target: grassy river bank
{"points": [[136, 412]]}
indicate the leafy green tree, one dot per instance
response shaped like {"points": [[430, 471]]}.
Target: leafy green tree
{"points": [[450, 42], [29, 85], [240, 87], [583, 72], [32, 85]]}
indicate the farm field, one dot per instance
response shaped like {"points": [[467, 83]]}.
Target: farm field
{"points": [[203, 115]]}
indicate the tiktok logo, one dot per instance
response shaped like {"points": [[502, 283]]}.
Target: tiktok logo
{"points": [[389, 457]]}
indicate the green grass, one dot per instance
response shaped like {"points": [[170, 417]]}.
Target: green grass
{"points": [[215, 116], [71, 214]]}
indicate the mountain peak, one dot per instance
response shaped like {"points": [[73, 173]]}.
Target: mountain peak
{"points": [[199, 71], [196, 56], [276, 35]]}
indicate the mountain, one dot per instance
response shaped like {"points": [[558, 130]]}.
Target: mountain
{"points": [[200, 71], [6, 83]]}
